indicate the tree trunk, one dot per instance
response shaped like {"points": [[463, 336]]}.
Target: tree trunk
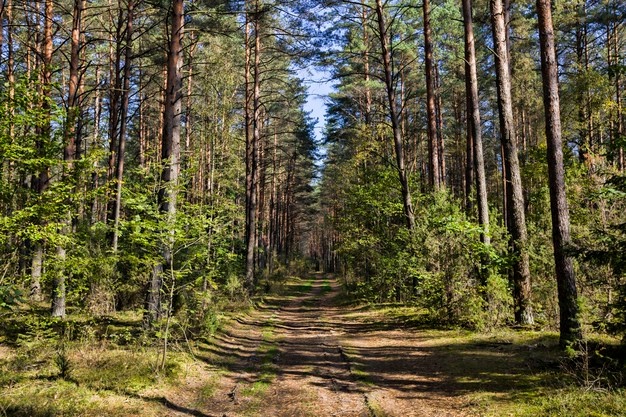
{"points": [[393, 114], [170, 157], [252, 152], [115, 90], [619, 118], [516, 219], [469, 154], [433, 148], [570, 331], [58, 291], [441, 145], [474, 139], [121, 142], [69, 153], [366, 66]]}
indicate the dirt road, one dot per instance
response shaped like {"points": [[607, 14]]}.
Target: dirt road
{"points": [[303, 355]]}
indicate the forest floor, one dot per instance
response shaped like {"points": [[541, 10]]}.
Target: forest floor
{"points": [[303, 352]]}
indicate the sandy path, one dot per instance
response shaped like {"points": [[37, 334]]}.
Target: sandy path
{"points": [[301, 355]]}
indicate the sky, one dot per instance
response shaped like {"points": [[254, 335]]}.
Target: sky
{"points": [[318, 89]]}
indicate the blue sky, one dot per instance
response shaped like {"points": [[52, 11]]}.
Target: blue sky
{"points": [[318, 89]]}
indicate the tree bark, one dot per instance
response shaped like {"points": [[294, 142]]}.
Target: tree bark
{"points": [[469, 152], [366, 67], [474, 139], [69, 154], [252, 152], [433, 148], [45, 130], [516, 218], [121, 142], [570, 331], [170, 157]]}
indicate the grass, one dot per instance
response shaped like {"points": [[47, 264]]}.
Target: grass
{"points": [[83, 366], [505, 372], [554, 402], [268, 352], [326, 287], [102, 380]]}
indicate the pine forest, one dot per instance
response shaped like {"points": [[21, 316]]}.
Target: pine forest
{"points": [[316, 207]]}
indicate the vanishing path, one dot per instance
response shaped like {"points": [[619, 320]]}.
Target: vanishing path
{"points": [[304, 355]]}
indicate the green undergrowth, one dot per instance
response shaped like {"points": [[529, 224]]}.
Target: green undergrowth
{"points": [[508, 372], [41, 378], [555, 402], [89, 366]]}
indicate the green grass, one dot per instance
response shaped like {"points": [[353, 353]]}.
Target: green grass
{"points": [[555, 402], [505, 372], [101, 377], [305, 286], [326, 287], [268, 351]]}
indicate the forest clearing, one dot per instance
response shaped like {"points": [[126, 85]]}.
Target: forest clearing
{"points": [[312, 207]]}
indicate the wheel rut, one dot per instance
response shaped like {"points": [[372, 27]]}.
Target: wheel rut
{"points": [[303, 355]]}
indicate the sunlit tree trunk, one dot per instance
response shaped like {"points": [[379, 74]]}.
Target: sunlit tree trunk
{"points": [[570, 330], [121, 142], [516, 218], [170, 157], [474, 140], [433, 148]]}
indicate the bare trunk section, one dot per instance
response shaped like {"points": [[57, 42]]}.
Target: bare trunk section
{"points": [[474, 139], [516, 218], [97, 109], [366, 67], [469, 153], [441, 145], [566, 281], [69, 154], [252, 151], [619, 117], [584, 134], [433, 148], [170, 157], [40, 180], [10, 74], [393, 114], [121, 142], [249, 156]]}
